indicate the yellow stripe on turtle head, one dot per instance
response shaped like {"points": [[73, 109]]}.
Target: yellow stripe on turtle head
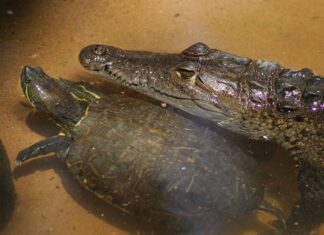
{"points": [[91, 93], [87, 97], [27, 95]]}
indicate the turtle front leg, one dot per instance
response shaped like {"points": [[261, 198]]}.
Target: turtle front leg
{"points": [[53, 144]]}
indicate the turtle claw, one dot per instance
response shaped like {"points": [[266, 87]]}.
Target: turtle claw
{"points": [[20, 158], [18, 163]]}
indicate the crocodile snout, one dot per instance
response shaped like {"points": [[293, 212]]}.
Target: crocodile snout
{"points": [[96, 57]]}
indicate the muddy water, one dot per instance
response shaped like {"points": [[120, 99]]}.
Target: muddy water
{"points": [[50, 34]]}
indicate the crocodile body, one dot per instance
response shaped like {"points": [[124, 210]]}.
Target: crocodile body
{"points": [[257, 98]]}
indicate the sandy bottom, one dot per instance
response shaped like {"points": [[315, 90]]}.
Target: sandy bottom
{"points": [[50, 34]]}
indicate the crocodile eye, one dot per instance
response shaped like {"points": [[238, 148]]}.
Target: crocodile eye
{"points": [[188, 71], [185, 74], [188, 76], [99, 50]]}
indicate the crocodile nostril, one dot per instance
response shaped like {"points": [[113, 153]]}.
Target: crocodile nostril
{"points": [[99, 50], [92, 66]]}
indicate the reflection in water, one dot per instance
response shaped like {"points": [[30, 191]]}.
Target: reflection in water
{"points": [[7, 191]]}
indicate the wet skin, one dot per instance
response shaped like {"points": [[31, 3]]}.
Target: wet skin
{"points": [[257, 98], [145, 160]]}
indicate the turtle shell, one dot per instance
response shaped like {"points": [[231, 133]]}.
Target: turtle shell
{"points": [[159, 165]]}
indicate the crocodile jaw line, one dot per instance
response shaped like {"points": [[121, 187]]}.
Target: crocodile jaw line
{"points": [[119, 77]]}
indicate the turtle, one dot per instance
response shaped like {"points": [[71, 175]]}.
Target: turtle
{"points": [[150, 162], [7, 190]]}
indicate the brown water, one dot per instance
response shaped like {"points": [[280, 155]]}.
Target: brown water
{"points": [[50, 34]]}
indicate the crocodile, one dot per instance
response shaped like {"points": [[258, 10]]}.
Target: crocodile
{"points": [[260, 99]]}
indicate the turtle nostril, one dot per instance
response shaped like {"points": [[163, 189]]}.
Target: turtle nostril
{"points": [[27, 69]]}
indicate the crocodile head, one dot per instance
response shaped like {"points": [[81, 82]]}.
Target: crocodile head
{"points": [[210, 83], [200, 80]]}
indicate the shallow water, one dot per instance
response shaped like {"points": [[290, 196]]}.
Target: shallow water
{"points": [[50, 34]]}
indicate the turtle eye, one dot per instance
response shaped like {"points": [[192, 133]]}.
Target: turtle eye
{"points": [[98, 50], [27, 80]]}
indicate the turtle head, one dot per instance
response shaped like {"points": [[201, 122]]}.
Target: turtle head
{"points": [[50, 96]]}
